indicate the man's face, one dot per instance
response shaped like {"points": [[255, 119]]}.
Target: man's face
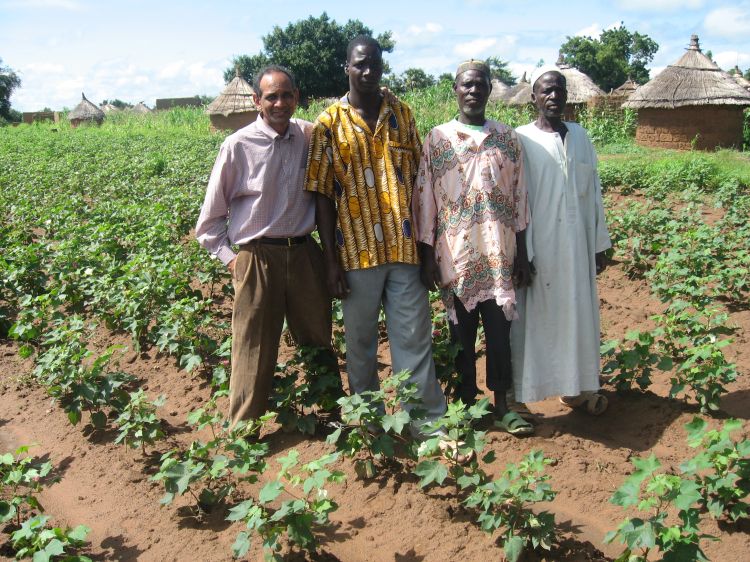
{"points": [[277, 100], [550, 94], [364, 69], [472, 92]]}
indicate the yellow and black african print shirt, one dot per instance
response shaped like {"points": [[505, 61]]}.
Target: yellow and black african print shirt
{"points": [[370, 178]]}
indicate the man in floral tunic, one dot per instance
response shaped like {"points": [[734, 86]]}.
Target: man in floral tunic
{"points": [[470, 213]]}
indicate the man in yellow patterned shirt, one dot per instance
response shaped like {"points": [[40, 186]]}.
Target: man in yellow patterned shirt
{"points": [[363, 160]]}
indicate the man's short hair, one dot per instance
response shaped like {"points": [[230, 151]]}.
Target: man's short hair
{"points": [[268, 69], [362, 41]]}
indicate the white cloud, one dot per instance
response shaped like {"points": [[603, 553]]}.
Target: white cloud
{"points": [[43, 68], [729, 22], [728, 59], [660, 5], [595, 30], [428, 28], [475, 48], [171, 70]]}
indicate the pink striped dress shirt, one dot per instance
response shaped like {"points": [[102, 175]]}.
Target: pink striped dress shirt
{"points": [[256, 189]]}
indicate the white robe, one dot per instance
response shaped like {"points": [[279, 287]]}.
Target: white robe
{"points": [[555, 343]]}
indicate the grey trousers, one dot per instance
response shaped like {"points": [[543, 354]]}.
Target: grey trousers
{"points": [[407, 316]]}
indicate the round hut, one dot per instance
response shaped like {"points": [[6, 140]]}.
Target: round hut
{"points": [[690, 104], [234, 108], [85, 112], [499, 89], [108, 108], [141, 108], [736, 73]]}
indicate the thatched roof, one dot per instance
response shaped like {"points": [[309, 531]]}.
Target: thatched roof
{"points": [[237, 97], [108, 107], [581, 88], [627, 88], [499, 90], [736, 73], [86, 111], [693, 80], [141, 107]]}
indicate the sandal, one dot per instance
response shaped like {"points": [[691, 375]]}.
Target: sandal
{"points": [[449, 448], [514, 424], [592, 403]]}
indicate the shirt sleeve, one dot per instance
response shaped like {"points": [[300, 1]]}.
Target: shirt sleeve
{"points": [[319, 175], [423, 205], [211, 229], [520, 192]]}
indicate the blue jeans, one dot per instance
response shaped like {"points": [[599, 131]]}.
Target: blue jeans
{"points": [[407, 317]]}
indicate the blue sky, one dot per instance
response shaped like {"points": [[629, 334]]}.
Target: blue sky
{"points": [[143, 50]]}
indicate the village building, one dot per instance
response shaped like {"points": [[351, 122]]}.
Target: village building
{"points": [[142, 108], [690, 104], [736, 73], [499, 89], [169, 103], [85, 112], [234, 108], [30, 117]]}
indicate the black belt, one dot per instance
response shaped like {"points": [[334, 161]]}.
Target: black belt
{"points": [[282, 241]]}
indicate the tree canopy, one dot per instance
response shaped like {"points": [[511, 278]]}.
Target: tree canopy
{"points": [[410, 79], [9, 81], [499, 71], [611, 59], [314, 49]]}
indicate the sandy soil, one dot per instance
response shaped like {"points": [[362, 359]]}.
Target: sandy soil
{"points": [[390, 518]]}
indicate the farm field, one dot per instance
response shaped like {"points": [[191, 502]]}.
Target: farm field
{"points": [[104, 292]]}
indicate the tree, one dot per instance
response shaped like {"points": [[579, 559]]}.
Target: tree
{"points": [[118, 103], [9, 81], [314, 49], [499, 71], [611, 59], [417, 79]]}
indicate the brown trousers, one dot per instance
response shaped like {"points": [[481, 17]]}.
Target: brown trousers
{"points": [[272, 282]]}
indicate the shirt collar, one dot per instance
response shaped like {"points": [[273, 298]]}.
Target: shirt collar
{"points": [[269, 131]]}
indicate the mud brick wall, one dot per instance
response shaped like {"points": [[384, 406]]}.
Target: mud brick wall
{"points": [[703, 127]]}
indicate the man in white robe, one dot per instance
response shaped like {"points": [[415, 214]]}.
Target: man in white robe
{"points": [[555, 343]]}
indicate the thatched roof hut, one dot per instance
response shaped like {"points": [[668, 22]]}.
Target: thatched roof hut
{"points": [[108, 107], [85, 112], [499, 89], [690, 104], [736, 73], [234, 108], [627, 88], [141, 107]]}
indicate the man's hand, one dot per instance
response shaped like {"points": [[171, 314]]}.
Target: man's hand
{"points": [[521, 272], [230, 265], [429, 271], [336, 280], [601, 261]]}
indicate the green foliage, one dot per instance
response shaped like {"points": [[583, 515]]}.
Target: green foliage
{"points": [[633, 361], [307, 507], [204, 470], [616, 55], [456, 426], [721, 468], [36, 539], [373, 421], [9, 81], [309, 380], [444, 353], [138, 424], [314, 49], [499, 71], [504, 505], [409, 80], [656, 492], [20, 480]]}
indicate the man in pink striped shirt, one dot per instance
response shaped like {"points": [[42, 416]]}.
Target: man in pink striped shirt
{"points": [[255, 200]]}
